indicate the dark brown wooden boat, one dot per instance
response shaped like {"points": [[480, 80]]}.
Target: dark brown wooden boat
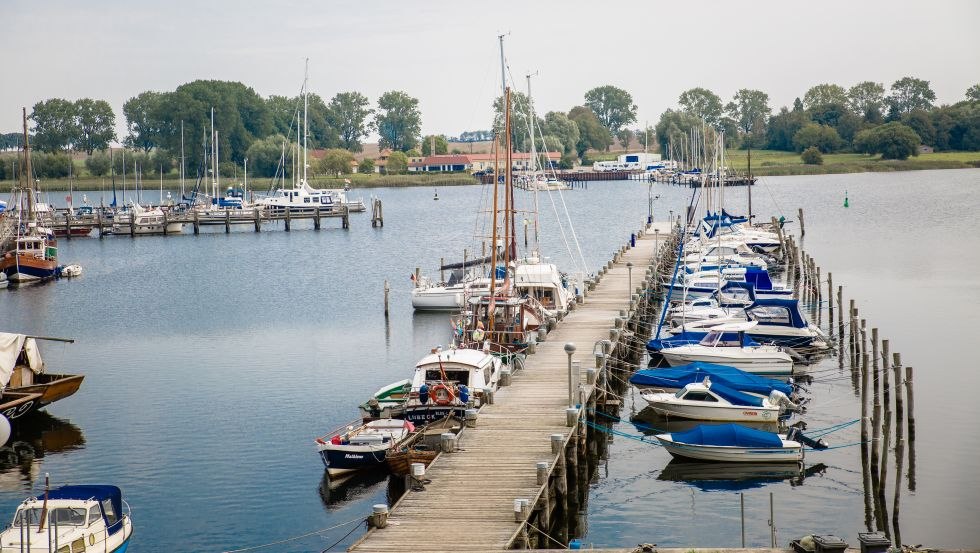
{"points": [[14, 405], [25, 384], [422, 447]]}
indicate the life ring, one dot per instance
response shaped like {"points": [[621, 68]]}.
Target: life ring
{"points": [[442, 394], [478, 335]]}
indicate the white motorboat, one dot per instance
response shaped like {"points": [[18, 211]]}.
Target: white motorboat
{"points": [[731, 443], [779, 321], [140, 220], [741, 353], [730, 253], [445, 382], [82, 518], [355, 448], [715, 402]]}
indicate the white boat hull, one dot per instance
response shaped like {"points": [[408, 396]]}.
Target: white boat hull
{"points": [[771, 363], [664, 405], [790, 452]]}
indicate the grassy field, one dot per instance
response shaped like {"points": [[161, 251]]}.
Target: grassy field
{"points": [[771, 162]]}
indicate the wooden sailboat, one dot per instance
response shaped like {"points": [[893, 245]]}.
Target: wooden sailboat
{"points": [[34, 255], [25, 385]]}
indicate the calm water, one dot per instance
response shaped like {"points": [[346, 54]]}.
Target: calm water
{"points": [[212, 362]]}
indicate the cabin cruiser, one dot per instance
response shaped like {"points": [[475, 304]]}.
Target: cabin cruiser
{"points": [[748, 356], [704, 281], [446, 383], [140, 220], [712, 401], [779, 321], [728, 253], [544, 283], [303, 198]]}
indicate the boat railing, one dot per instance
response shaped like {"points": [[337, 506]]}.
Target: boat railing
{"points": [[342, 428]]}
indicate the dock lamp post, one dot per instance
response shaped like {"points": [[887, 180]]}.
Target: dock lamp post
{"points": [[570, 350], [629, 269]]}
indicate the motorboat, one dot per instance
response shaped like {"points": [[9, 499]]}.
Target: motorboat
{"points": [[730, 253], [355, 448], [388, 401], [71, 518], [446, 381], [703, 281], [713, 348], [34, 257], [140, 220], [675, 378], [544, 283], [712, 401], [779, 321], [731, 442]]}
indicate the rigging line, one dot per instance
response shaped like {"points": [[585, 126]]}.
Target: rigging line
{"points": [[308, 534], [345, 536]]}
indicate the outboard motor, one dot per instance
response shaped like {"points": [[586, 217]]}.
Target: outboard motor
{"points": [[797, 435], [780, 398]]}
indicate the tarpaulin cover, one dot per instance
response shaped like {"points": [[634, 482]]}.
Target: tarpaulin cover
{"points": [[734, 435]]}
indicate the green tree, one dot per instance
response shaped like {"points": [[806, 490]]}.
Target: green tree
{"points": [[96, 124], [349, 112], [397, 163], [366, 166], [973, 93], [11, 141], [909, 94], [825, 94], [822, 137], [783, 126], [702, 104], [919, 121], [442, 146], [142, 114], [613, 107], [568, 161], [336, 161], [625, 136], [558, 124], [414, 152], [750, 110], [55, 125], [892, 140], [673, 130], [812, 156], [51, 165], [591, 132], [98, 164], [520, 115], [265, 155], [398, 120], [161, 161], [867, 99]]}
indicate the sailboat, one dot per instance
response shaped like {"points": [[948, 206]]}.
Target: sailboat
{"points": [[34, 255]]}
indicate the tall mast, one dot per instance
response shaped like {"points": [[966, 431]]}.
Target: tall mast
{"points": [[534, 160], [508, 191], [493, 236], [503, 72], [28, 174], [182, 163], [214, 158], [306, 105]]}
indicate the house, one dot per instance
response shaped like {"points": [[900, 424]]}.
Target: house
{"points": [[441, 163], [381, 162], [521, 160]]}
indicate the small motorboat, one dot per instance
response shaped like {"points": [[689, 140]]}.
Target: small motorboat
{"points": [[780, 322], [710, 401], [82, 518], [354, 448], [731, 442], [751, 357], [446, 383], [674, 378], [388, 402], [70, 271]]}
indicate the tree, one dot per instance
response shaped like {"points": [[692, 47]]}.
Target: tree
{"points": [[892, 140], [142, 120], [625, 136], [558, 124], [51, 165], [398, 120], [98, 164], [366, 166], [349, 112], [520, 115], [823, 137], [782, 127], [920, 122], [973, 93], [750, 110], [397, 163], [11, 141], [55, 125], [96, 123], [812, 156], [265, 155], [825, 94], [702, 104], [867, 99], [442, 146], [160, 162], [336, 161], [591, 132], [673, 130], [908, 94], [568, 161], [613, 107]]}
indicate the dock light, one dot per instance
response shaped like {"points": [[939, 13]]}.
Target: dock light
{"points": [[629, 269], [570, 350]]}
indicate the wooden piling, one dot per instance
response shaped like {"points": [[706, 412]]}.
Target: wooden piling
{"points": [[287, 220], [802, 228], [442, 270], [899, 449], [258, 219], [386, 298], [885, 431], [227, 221], [98, 217], [316, 218], [910, 402], [345, 218]]}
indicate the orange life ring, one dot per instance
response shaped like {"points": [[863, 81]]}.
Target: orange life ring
{"points": [[442, 394]]}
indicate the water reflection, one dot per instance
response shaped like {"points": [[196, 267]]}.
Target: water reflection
{"points": [[649, 422], [736, 476], [338, 490], [33, 438]]}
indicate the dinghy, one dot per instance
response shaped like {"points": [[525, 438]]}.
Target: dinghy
{"points": [[350, 449], [731, 443]]}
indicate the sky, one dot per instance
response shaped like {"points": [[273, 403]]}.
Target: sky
{"points": [[446, 53]]}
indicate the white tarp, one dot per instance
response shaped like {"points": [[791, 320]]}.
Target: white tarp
{"points": [[34, 360], [10, 348]]}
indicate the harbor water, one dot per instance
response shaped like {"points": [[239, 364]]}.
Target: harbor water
{"points": [[213, 361]]}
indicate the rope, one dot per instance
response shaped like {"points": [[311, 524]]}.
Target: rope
{"points": [[308, 534], [334, 544], [545, 534]]}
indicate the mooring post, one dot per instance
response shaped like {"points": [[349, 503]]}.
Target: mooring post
{"points": [[830, 303], [227, 221], [802, 233], [910, 401], [741, 499], [772, 522], [258, 219], [386, 298], [197, 222], [316, 217], [442, 270], [288, 210]]}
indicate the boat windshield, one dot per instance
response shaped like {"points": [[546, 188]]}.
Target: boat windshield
{"points": [[711, 339], [62, 516]]}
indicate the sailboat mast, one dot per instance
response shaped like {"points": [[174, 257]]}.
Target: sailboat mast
{"points": [[28, 172], [493, 236], [182, 161], [306, 106], [503, 71], [508, 189]]}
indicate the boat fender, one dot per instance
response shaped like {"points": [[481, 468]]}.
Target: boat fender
{"points": [[335, 440], [424, 394], [464, 393]]}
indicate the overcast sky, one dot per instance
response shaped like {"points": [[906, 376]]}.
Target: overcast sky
{"points": [[445, 53]]}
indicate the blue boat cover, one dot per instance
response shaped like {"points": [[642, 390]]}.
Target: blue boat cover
{"points": [[678, 377], [762, 305], [758, 277], [99, 493], [691, 337], [736, 397], [729, 434]]}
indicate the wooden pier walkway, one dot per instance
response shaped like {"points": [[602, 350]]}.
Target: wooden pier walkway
{"points": [[470, 502]]}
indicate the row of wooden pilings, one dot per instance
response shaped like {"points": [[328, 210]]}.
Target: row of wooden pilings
{"points": [[558, 514], [878, 378]]}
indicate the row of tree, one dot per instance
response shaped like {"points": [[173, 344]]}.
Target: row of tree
{"points": [[830, 118]]}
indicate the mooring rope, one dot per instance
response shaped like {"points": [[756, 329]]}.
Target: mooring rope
{"points": [[308, 534]]}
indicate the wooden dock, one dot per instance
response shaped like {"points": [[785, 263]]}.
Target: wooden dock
{"points": [[528, 443]]}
